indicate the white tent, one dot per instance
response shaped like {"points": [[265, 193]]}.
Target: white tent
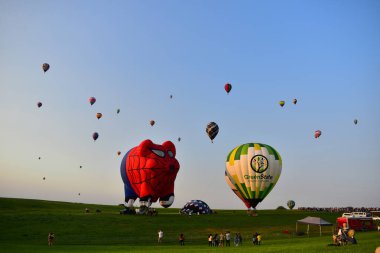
{"points": [[313, 221]]}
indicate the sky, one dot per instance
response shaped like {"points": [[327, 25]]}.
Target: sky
{"points": [[133, 55]]}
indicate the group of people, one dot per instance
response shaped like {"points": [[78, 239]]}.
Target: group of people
{"points": [[344, 236], [219, 240]]}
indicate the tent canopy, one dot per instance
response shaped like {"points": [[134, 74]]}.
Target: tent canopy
{"points": [[315, 221]]}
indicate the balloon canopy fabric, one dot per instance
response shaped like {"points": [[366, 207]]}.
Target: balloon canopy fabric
{"points": [[252, 170], [227, 87], [95, 136], [45, 67], [92, 100], [196, 207], [148, 172], [212, 130], [291, 204]]}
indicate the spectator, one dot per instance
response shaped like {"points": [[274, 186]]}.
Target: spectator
{"points": [[228, 238], [210, 240], [221, 240], [51, 238], [236, 240], [160, 236], [181, 240]]}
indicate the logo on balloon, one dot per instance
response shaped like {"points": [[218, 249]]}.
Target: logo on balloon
{"points": [[259, 163]]}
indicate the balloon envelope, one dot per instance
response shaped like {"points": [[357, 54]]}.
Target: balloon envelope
{"points": [[227, 87], [212, 130], [95, 136], [92, 100], [291, 204], [252, 170], [45, 67]]}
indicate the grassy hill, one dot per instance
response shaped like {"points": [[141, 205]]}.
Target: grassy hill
{"points": [[24, 225]]}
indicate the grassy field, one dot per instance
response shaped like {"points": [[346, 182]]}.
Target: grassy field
{"points": [[24, 225]]}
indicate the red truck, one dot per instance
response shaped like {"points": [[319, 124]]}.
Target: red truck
{"points": [[359, 221]]}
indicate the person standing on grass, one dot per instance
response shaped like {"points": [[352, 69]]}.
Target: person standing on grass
{"points": [[210, 240], [181, 240], [50, 239], [236, 240], [228, 239], [160, 236]]}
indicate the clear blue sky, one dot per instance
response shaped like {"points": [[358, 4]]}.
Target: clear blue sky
{"points": [[133, 54]]}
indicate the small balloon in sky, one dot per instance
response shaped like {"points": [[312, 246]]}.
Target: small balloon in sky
{"points": [[179, 138], [212, 130], [99, 115], [227, 87], [152, 122], [118, 111], [281, 103], [171, 96], [118, 153], [80, 167], [39, 104], [294, 101], [92, 100], [317, 133], [39, 158], [45, 67], [43, 178], [95, 136], [355, 121]]}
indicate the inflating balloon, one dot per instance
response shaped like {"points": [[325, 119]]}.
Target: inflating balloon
{"points": [[92, 100], [281, 103], [148, 172], [45, 67], [195, 207], [99, 115], [227, 87], [317, 133], [152, 122], [95, 136], [252, 170], [291, 204], [212, 130], [39, 104]]}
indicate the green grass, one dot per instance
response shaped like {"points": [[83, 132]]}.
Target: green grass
{"points": [[24, 225]]}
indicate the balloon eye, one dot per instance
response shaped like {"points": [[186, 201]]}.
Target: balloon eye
{"points": [[170, 153], [160, 153]]}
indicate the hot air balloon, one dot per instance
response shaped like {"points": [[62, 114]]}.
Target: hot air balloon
{"points": [[43, 178], [95, 136], [227, 87], [39, 104], [317, 133], [212, 130], [252, 170], [291, 204], [355, 121], [152, 122], [118, 111], [39, 158], [92, 100], [99, 115], [294, 101], [80, 167], [282, 103], [78, 194], [45, 67], [149, 171], [171, 96], [179, 138], [118, 153]]}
